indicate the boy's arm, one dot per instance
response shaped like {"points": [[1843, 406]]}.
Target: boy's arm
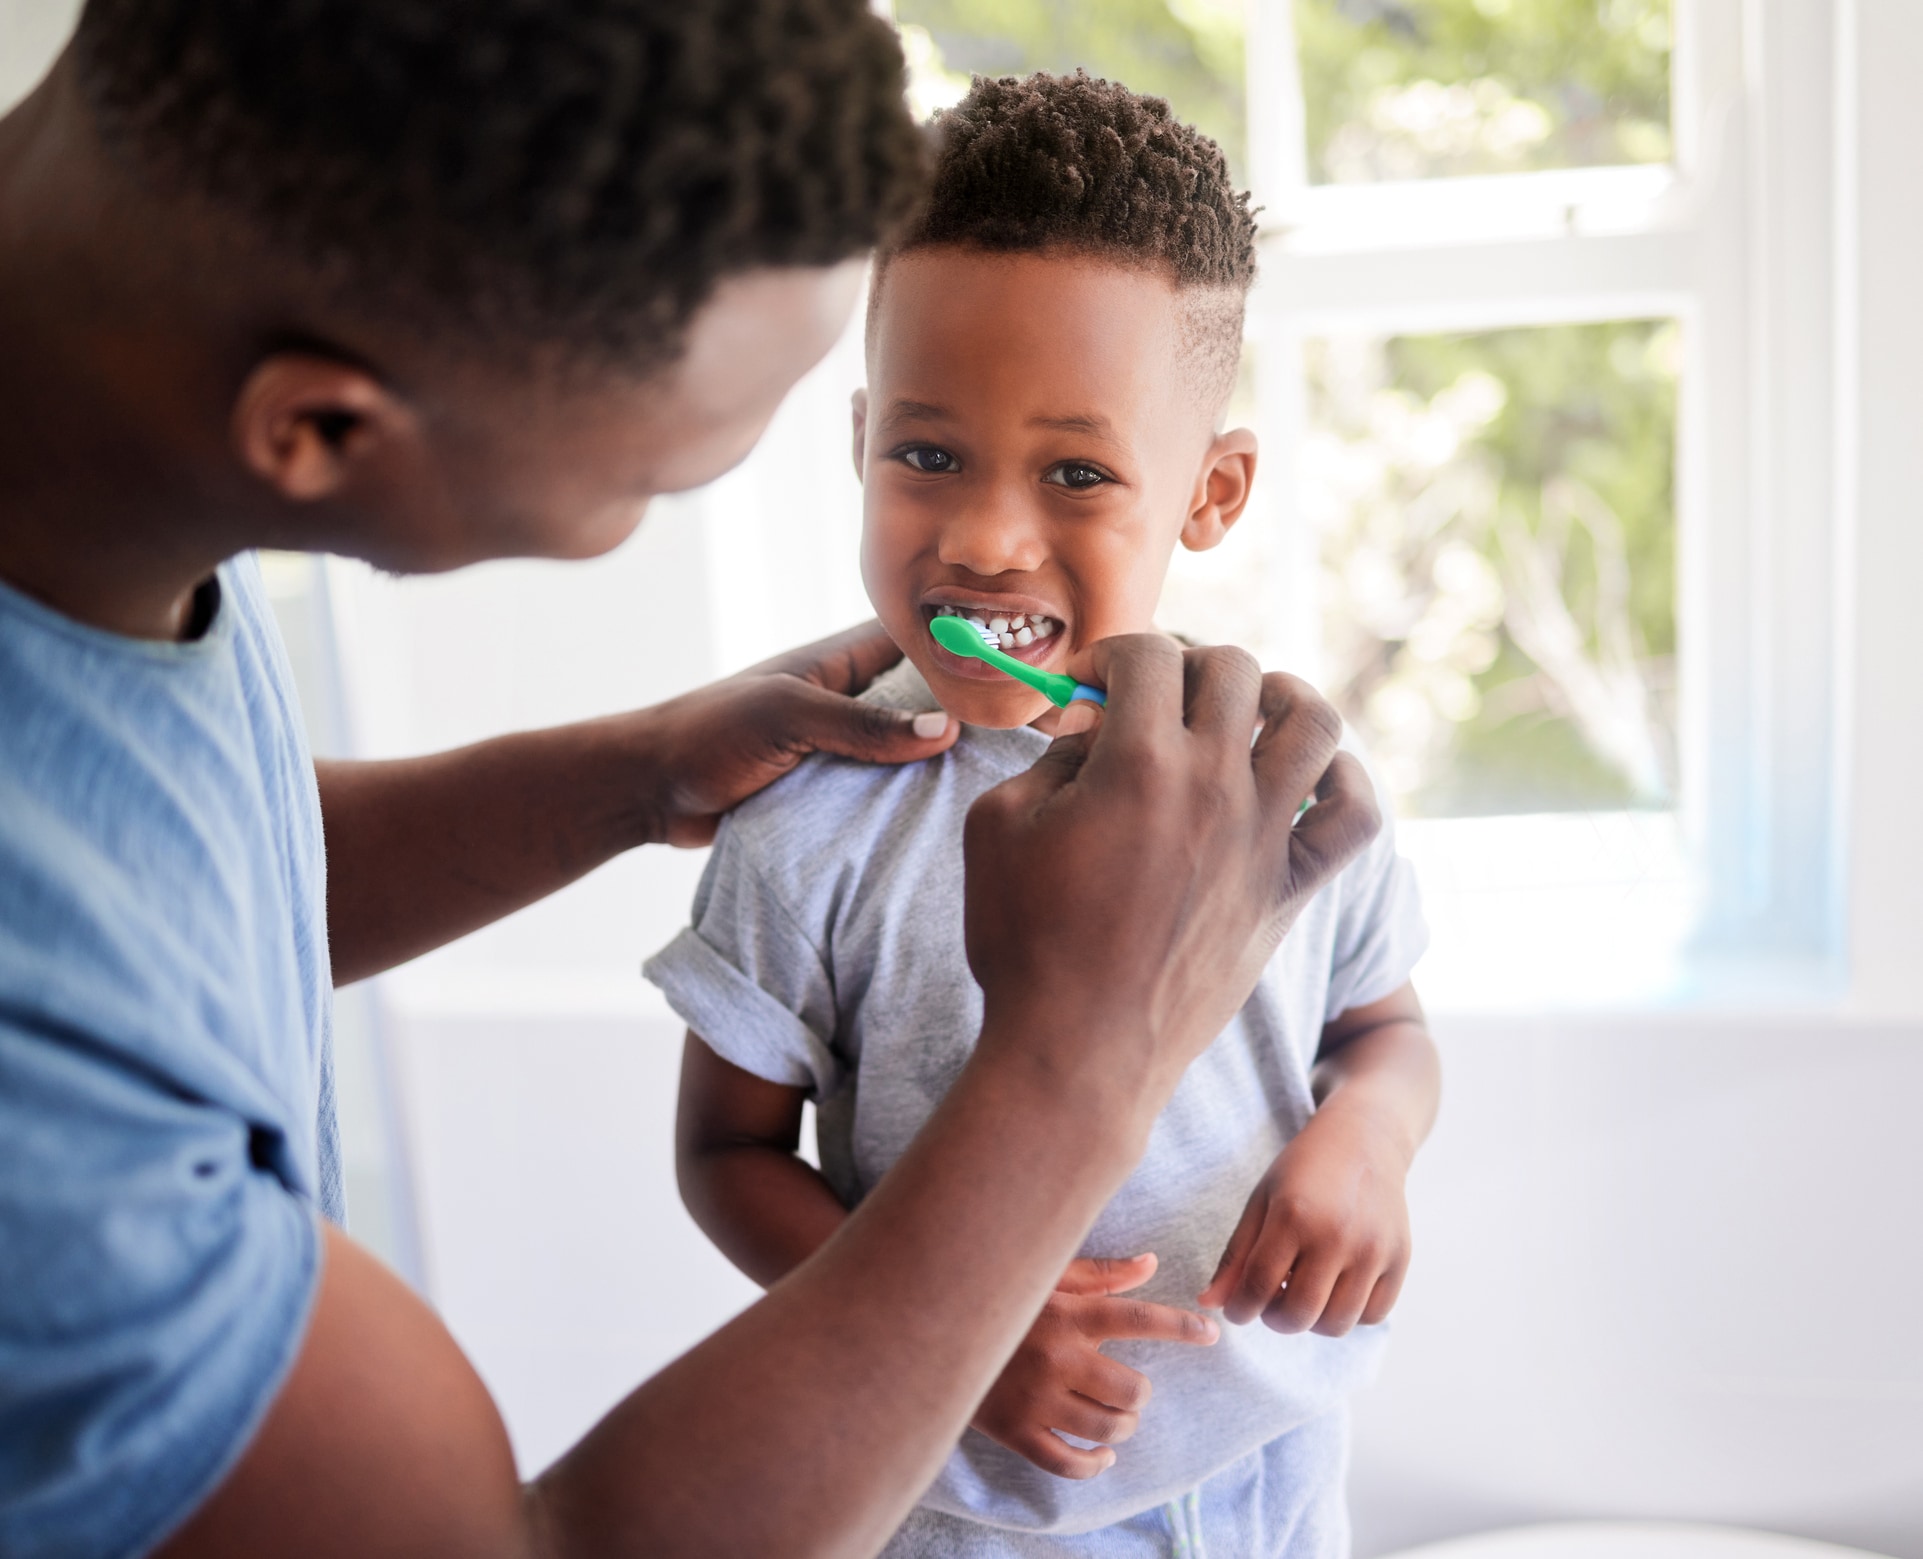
{"points": [[1324, 1240], [735, 1137]]}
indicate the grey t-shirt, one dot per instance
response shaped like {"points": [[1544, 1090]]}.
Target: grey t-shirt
{"points": [[826, 953]]}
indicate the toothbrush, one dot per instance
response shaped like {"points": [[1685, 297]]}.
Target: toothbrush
{"points": [[954, 635]]}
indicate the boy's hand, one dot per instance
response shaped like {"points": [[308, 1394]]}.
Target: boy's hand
{"points": [[1059, 1382], [1324, 1240]]}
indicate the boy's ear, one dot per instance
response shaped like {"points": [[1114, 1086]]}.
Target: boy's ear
{"points": [[1222, 490], [306, 424], [858, 404]]}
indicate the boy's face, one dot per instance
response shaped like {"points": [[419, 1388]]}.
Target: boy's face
{"points": [[1030, 451]]}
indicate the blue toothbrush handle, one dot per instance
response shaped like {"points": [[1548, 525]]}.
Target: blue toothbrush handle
{"points": [[1084, 694]]}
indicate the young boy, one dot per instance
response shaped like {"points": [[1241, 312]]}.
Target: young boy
{"points": [[1050, 350]]}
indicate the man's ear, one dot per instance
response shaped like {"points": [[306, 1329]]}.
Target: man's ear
{"points": [[1222, 489], [306, 424], [858, 404]]}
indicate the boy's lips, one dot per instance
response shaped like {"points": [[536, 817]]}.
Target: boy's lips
{"points": [[990, 608]]}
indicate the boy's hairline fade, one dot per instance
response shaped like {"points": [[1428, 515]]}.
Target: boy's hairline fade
{"points": [[1209, 319]]}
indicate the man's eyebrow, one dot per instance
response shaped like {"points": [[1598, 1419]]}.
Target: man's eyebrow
{"points": [[1099, 427], [912, 411]]}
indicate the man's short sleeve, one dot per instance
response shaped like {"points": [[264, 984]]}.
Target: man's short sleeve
{"points": [[748, 978], [155, 1283]]}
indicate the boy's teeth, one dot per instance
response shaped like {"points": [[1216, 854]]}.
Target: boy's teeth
{"points": [[1009, 630]]}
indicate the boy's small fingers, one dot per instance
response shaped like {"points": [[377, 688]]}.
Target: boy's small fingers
{"points": [[1143, 1320], [1382, 1299], [1053, 1454], [1301, 1304], [1229, 1269], [1264, 1271], [1107, 1274], [1345, 1305], [1087, 1420], [1101, 1379]]}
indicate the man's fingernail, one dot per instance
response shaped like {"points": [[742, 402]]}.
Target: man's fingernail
{"points": [[930, 725]]}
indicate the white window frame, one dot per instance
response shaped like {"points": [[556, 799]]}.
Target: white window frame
{"points": [[1735, 240]]}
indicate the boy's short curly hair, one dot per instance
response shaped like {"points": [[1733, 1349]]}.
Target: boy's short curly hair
{"points": [[1085, 166], [575, 175]]}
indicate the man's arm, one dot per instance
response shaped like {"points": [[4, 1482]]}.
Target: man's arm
{"points": [[423, 850], [1173, 872]]}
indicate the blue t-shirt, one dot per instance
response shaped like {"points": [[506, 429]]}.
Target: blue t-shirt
{"points": [[166, 1090]]}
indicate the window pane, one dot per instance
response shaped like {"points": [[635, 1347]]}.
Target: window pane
{"points": [[1411, 89], [1496, 514], [1188, 51]]}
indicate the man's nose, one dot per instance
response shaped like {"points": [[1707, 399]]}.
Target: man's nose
{"points": [[999, 534]]}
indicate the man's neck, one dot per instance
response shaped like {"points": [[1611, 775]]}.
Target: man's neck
{"points": [[106, 396]]}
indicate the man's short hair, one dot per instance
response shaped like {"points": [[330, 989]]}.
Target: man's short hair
{"points": [[570, 173], [1083, 166]]}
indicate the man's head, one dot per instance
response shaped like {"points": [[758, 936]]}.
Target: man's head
{"points": [[1051, 345], [499, 271]]}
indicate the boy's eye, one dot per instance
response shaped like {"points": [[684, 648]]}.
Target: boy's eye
{"points": [[1073, 473], [925, 457]]}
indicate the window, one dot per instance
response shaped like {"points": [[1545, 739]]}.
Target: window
{"points": [[1539, 360]]}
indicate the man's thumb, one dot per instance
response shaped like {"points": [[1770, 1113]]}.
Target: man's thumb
{"points": [[833, 722]]}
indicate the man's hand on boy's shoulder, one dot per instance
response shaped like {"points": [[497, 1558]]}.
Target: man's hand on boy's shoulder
{"points": [[711, 749], [1060, 1382]]}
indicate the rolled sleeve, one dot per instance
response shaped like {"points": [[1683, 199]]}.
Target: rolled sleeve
{"points": [[1380, 933], [157, 1282], [750, 980]]}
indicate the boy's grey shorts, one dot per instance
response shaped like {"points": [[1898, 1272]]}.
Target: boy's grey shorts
{"points": [[1288, 1500]]}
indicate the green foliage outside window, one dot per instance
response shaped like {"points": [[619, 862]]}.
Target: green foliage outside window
{"points": [[1496, 514], [1401, 89]]}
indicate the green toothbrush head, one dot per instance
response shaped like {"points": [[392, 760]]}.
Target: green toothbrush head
{"points": [[956, 636]]}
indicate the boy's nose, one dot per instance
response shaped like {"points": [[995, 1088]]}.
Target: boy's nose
{"points": [[996, 537]]}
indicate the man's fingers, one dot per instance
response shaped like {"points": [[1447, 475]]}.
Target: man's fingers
{"points": [[1222, 693], [1108, 1319], [832, 722], [1025, 793], [1142, 673], [1338, 827], [1107, 1274], [844, 662], [1299, 736]]}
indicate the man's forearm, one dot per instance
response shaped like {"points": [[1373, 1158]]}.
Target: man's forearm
{"points": [[806, 1427], [909, 1312], [423, 850]]}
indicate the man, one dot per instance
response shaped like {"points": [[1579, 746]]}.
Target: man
{"points": [[428, 284]]}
